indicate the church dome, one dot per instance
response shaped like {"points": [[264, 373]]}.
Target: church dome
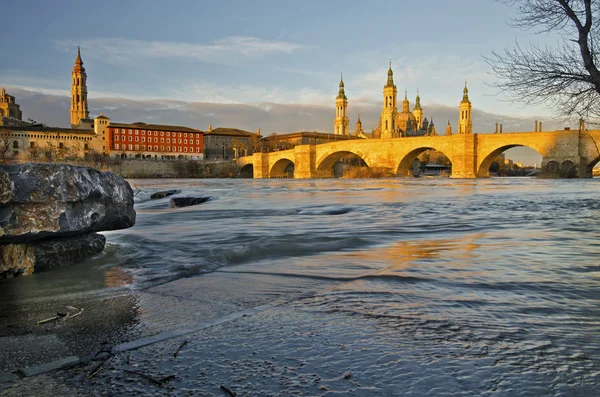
{"points": [[407, 121]]}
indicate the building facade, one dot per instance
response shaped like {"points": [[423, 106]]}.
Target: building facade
{"points": [[153, 141], [230, 143]]}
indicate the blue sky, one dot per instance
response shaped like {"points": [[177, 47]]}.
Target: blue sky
{"points": [[262, 52]]}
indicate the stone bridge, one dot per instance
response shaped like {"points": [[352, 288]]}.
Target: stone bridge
{"points": [[565, 153]]}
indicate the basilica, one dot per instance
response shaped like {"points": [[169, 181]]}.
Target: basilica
{"points": [[394, 123]]}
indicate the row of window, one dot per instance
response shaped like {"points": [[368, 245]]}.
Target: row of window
{"points": [[162, 133], [162, 140], [155, 148]]}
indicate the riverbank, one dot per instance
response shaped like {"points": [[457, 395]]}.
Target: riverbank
{"points": [[394, 284]]}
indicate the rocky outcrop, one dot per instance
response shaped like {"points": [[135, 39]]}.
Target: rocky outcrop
{"points": [[39, 201], [25, 259], [163, 194], [178, 202], [49, 214]]}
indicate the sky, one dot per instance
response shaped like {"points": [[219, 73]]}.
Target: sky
{"points": [[266, 64]]}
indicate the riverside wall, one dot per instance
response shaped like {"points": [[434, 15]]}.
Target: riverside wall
{"points": [[139, 169]]}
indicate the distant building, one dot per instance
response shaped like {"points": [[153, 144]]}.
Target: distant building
{"points": [[153, 141], [288, 141], [9, 109], [230, 143]]}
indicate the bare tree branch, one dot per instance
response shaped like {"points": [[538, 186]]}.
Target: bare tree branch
{"points": [[566, 77]]}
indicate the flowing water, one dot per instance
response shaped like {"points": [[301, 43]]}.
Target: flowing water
{"points": [[419, 286]]}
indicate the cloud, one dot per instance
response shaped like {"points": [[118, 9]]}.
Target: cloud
{"points": [[268, 116], [229, 50]]}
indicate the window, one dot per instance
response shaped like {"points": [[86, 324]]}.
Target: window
{"points": [[162, 133], [168, 134], [179, 149], [137, 132], [179, 141], [143, 132], [86, 146], [130, 146], [168, 140], [197, 141], [156, 148], [155, 133], [31, 144], [137, 138], [185, 149], [162, 148], [143, 147], [15, 145], [116, 146], [143, 139], [155, 140], [61, 145], [116, 137], [197, 150], [185, 141], [162, 140], [129, 131], [137, 147]]}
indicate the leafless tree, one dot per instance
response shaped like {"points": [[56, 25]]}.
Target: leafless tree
{"points": [[5, 148], [565, 77]]}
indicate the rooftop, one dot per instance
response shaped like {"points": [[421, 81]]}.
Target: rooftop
{"points": [[155, 127]]}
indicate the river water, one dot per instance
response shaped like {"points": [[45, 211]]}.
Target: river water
{"points": [[426, 286]]}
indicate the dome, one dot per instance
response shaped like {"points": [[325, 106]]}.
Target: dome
{"points": [[406, 121]]}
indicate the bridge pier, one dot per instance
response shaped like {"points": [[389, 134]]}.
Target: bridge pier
{"points": [[305, 161], [464, 160], [261, 165]]}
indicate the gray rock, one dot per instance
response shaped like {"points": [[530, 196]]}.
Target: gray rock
{"points": [[178, 202], [163, 194], [24, 259], [38, 201]]}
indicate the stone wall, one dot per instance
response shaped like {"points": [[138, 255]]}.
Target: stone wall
{"points": [[172, 169]]}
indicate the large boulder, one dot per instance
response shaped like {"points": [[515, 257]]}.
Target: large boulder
{"points": [[39, 201], [25, 259]]}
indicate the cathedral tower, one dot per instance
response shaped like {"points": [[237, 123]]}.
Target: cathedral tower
{"points": [[448, 129], [465, 123], [79, 103], [388, 115], [341, 121], [418, 112]]}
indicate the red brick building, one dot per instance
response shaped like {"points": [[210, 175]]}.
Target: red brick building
{"points": [[141, 140]]}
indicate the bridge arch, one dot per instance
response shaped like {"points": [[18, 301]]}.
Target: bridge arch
{"points": [[483, 166], [406, 162], [326, 164], [247, 171], [283, 168]]}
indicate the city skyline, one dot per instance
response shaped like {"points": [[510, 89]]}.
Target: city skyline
{"points": [[263, 57]]}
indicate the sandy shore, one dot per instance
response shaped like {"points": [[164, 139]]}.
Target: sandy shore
{"points": [[109, 320]]}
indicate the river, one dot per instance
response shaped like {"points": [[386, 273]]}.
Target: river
{"points": [[425, 286]]}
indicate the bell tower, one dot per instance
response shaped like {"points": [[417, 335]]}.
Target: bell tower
{"points": [[79, 102], [341, 121], [465, 122], [418, 112], [390, 110]]}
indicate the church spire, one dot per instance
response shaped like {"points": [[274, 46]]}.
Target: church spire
{"points": [[341, 121], [79, 102], [466, 93], [390, 79], [341, 93]]}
